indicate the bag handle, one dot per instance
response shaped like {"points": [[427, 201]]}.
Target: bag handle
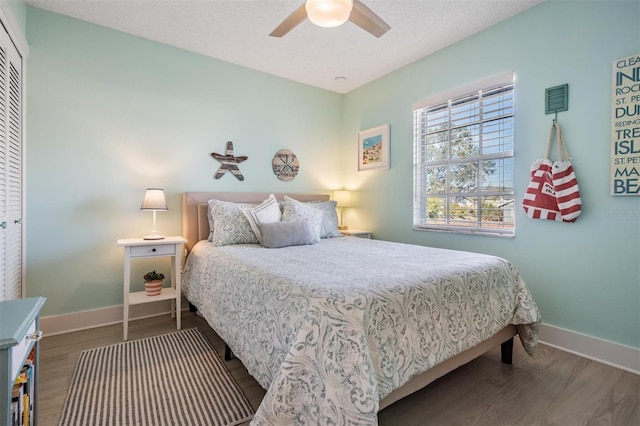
{"points": [[562, 147], [549, 139], [563, 153]]}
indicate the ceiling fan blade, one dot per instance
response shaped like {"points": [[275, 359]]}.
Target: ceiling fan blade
{"points": [[366, 19], [290, 22]]}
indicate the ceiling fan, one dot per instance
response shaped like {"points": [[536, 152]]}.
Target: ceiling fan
{"points": [[331, 13]]}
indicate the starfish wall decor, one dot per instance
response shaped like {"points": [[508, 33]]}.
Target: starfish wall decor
{"points": [[229, 162]]}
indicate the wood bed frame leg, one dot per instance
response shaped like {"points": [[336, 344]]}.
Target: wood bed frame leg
{"points": [[506, 351], [228, 355]]}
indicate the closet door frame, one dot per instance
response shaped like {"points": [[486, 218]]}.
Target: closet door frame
{"points": [[16, 35]]}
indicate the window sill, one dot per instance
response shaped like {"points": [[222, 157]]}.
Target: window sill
{"points": [[474, 231]]}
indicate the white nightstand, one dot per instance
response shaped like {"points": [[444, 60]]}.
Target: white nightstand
{"points": [[138, 248], [360, 233]]}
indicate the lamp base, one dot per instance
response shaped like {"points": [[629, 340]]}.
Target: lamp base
{"points": [[153, 237], [343, 228]]}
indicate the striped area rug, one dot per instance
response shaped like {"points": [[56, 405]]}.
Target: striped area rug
{"points": [[173, 379]]}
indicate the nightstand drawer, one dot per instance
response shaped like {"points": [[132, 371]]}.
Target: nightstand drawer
{"points": [[19, 351], [153, 250], [359, 233]]}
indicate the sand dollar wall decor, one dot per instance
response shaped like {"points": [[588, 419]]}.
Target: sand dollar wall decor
{"points": [[285, 164]]}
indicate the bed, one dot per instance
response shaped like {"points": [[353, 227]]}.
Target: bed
{"points": [[337, 330]]}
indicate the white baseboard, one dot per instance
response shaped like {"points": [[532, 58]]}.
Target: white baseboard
{"points": [[83, 320], [614, 354], [610, 353]]}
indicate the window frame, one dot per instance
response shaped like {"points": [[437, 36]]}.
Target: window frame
{"points": [[470, 94]]}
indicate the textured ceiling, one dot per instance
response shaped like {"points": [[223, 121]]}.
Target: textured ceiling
{"points": [[337, 59]]}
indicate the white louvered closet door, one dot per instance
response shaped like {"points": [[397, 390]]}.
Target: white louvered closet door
{"points": [[10, 169]]}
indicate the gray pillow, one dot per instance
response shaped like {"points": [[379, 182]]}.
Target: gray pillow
{"points": [[285, 234]]}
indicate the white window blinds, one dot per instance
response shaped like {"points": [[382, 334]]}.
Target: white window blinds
{"points": [[463, 160]]}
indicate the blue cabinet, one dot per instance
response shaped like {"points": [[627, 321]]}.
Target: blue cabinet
{"points": [[19, 336]]}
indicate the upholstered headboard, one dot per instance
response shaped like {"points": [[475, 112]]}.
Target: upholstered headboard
{"points": [[195, 225]]}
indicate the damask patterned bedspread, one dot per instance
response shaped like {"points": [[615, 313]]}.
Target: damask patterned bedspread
{"points": [[332, 328]]}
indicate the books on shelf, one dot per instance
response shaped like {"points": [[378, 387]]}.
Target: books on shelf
{"points": [[22, 394]]}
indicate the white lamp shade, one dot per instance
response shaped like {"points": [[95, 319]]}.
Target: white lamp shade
{"points": [[342, 198], [154, 200], [328, 13]]}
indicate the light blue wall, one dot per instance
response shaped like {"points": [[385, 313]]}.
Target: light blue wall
{"points": [[110, 115], [584, 276]]}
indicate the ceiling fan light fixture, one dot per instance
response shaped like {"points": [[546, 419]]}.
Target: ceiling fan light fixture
{"points": [[328, 13]]}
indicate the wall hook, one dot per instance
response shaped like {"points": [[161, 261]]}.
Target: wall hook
{"points": [[556, 100]]}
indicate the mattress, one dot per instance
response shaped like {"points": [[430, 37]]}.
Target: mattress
{"points": [[332, 328]]}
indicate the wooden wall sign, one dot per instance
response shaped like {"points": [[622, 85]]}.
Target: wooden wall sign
{"points": [[625, 126], [285, 165]]}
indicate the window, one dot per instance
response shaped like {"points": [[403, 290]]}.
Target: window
{"points": [[463, 160]]}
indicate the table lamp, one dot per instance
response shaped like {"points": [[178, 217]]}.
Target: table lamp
{"points": [[342, 199], [154, 200]]}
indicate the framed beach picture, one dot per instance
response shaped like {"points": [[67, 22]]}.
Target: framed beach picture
{"points": [[373, 148]]}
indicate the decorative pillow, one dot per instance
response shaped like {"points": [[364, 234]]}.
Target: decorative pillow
{"points": [[267, 212], [210, 217], [285, 234], [296, 210], [230, 225], [329, 218]]}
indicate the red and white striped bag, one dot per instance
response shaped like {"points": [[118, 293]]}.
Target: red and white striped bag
{"points": [[553, 192]]}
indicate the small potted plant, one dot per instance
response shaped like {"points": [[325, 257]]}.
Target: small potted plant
{"points": [[153, 283]]}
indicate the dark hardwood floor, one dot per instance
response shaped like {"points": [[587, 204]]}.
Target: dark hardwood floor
{"points": [[552, 388]]}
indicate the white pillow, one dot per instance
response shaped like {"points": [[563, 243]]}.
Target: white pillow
{"points": [[267, 212]]}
